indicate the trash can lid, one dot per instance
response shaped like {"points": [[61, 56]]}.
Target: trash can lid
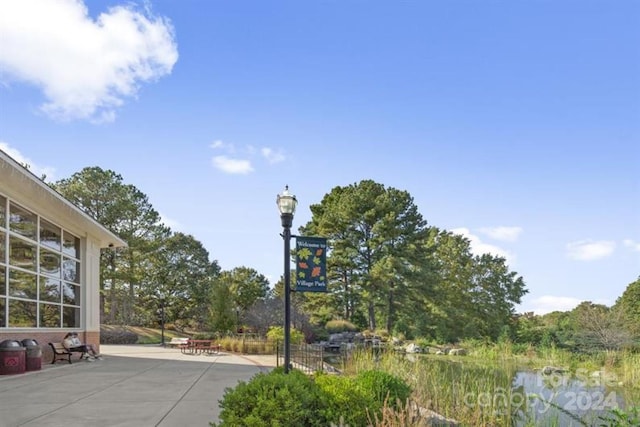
{"points": [[10, 344], [28, 342]]}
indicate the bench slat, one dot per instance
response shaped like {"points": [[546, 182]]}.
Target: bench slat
{"points": [[61, 353]]}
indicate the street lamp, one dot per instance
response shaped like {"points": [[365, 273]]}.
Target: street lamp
{"points": [[287, 206]]}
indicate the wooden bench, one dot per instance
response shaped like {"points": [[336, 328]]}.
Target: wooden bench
{"points": [[61, 353]]}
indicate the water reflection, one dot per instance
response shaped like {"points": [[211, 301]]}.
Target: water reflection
{"points": [[563, 399]]}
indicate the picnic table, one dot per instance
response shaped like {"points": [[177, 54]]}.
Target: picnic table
{"points": [[200, 347]]}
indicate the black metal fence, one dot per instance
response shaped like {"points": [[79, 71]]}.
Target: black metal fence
{"points": [[310, 357], [305, 357]]}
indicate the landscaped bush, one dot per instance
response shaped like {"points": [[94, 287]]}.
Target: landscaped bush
{"points": [[118, 336], [205, 336], [276, 333], [275, 399], [381, 386], [337, 326], [348, 404], [295, 399]]}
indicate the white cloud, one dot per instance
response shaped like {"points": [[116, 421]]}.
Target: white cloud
{"points": [[507, 234], [224, 146], [272, 156], [548, 303], [230, 163], [634, 246], [478, 247], [36, 169], [171, 223], [232, 166], [588, 250], [85, 68]]}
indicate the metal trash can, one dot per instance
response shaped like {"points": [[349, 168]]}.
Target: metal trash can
{"points": [[12, 357], [33, 359]]}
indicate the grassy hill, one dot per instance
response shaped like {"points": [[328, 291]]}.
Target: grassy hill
{"points": [[145, 335]]}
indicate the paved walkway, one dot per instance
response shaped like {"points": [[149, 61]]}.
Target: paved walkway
{"points": [[133, 386]]}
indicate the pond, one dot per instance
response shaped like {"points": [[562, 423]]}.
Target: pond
{"points": [[481, 393], [558, 398]]}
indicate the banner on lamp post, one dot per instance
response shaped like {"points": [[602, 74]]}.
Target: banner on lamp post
{"points": [[311, 264]]}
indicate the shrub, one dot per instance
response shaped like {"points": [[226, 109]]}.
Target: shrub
{"points": [[348, 405], [276, 333], [423, 343], [383, 386], [274, 399], [337, 326], [205, 336], [118, 336]]}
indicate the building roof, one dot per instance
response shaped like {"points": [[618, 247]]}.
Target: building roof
{"points": [[23, 186]]}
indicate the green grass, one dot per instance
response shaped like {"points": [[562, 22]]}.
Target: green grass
{"points": [[146, 335]]}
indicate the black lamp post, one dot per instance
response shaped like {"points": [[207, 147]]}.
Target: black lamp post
{"points": [[287, 206]]}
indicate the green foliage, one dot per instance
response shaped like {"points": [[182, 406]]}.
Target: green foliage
{"points": [[274, 399], [382, 386], [156, 263], [402, 329], [295, 399], [246, 286], [620, 417], [276, 333], [598, 327], [336, 326], [205, 336], [359, 319], [118, 336], [346, 400], [221, 315], [375, 234], [629, 305]]}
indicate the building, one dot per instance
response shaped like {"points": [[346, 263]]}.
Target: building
{"points": [[49, 261]]}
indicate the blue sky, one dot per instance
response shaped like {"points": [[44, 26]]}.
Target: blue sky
{"points": [[515, 123]]}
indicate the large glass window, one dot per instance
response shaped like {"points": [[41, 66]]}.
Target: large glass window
{"points": [[3, 283], [49, 316], [71, 270], [70, 317], [49, 289], [50, 235], [22, 314], [22, 253], [3, 247], [40, 271], [70, 294], [22, 284], [3, 212], [71, 245], [50, 263], [22, 221], [3, 312]]}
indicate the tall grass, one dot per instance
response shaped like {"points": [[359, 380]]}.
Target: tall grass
{"points": [[247, 346], [471, 394], [629, 370], [478, 390]]}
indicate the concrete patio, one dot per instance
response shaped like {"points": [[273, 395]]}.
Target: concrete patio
{"points": [[134, 385]]}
